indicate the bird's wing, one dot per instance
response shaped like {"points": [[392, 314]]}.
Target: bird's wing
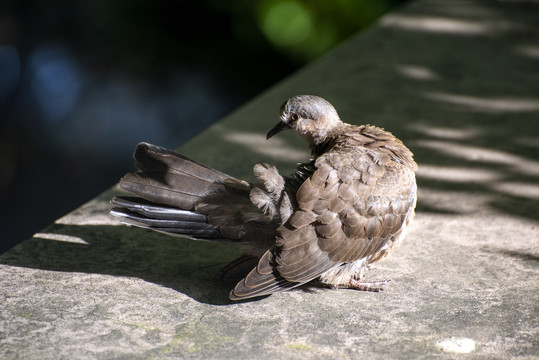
{"points": [[350, 208]]}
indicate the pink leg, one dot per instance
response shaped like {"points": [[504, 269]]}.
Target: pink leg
{"points": [[375, 286]]}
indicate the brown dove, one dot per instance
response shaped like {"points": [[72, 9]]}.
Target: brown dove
{"points": [[348, 207]]}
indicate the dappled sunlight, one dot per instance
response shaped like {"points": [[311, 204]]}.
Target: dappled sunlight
{"points": [[489, 105], [445, 25], [416, 72], [529, 141], [484, 180], [531, 51], [476, 149], [276, 148], [521, 189], [482, 155], [94, 212], [457, 174], [80, 217], [451, 201], [61, 237], [462, 9], [445, 132]]}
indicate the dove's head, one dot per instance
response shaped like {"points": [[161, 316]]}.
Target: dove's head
{"points": [[311, 117]]}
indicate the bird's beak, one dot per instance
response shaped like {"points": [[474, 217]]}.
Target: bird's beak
{"points": [[278, 128]]}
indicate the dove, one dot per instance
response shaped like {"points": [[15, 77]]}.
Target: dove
{"points": [[346, 208]]}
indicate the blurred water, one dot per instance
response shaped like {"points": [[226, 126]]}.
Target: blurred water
{"points": [[10, 71], [56, 81]]}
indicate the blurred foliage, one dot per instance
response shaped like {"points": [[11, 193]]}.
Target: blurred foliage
{"points": [[304, 29], [301, 30]]}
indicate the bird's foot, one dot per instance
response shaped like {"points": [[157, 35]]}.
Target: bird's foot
{"points": [[374, 286]]}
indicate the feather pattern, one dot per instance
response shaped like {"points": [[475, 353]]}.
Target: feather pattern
{"points": [[353, 202]]}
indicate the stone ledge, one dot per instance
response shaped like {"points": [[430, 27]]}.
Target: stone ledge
{"points": [[457, 82]]}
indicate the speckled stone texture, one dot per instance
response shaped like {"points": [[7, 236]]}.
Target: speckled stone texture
{"points": [[458, 83]]}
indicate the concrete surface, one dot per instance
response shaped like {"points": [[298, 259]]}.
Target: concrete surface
{"points": [[458, 81]]}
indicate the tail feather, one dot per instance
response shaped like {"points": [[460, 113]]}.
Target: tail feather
{"points": [[169, 178], [149, 209], [160, 188], [152, 158], [170, 220], [169, 187]]}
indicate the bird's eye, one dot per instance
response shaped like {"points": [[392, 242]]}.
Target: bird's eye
{"points": [[294, 117]]}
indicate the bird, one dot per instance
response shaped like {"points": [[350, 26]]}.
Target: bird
{"points": [[346, 208]]}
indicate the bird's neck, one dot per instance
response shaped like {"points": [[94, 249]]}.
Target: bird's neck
{"points": [[318, 149], [321, 144]]}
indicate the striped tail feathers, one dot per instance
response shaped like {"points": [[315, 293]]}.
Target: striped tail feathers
{"points": [[169, 220], [179, 196], [169, 178]]}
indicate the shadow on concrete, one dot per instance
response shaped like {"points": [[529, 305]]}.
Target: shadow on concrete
{"points": [[184, 265], [520, 255]]}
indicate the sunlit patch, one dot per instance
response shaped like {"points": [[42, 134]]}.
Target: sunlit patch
{"points": [[457, 345], [531, 51], [454, 201], [276, 148], [486, 105], [525, 190], [527, 141], [445, 133], [439, 25], [485, 155], [61, 237], [457, 174], [95, 212], [416, 72]]}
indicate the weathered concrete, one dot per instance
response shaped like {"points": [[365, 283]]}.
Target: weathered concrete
{"points": [[459, 83]]}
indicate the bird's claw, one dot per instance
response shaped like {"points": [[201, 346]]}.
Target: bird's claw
{"points": [[374, 286]]}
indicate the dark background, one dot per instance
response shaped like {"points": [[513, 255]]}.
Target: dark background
{"points": [[81, 82]]}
